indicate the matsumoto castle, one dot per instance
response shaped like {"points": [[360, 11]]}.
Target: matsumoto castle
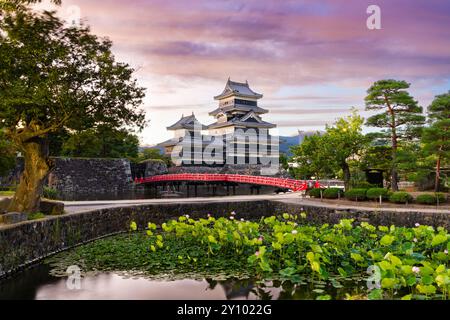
{"points": [[239, 135]]}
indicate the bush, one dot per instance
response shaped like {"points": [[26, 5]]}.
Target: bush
{"points": [[50, 193], [375, 193], [36, 216], [332, 193], [426, 199], [400, 197], [364, 185], [442, 197], [315, 193], [356, 194]]}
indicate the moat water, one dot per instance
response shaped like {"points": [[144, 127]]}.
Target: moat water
{"points": [[37, 284]]}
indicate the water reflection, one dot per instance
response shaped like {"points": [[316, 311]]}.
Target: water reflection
{"points": [[37, 284]]}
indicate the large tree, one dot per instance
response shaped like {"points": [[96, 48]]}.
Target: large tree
{"points": [[345, 141], [102, 142], [312, 158], [7, 154], [53, 76], [400, 119], [324, 155], [436, 137]]}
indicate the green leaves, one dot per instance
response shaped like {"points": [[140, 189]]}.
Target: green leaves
{"points": [[133, 226], [438, 239], [329, 256], [387, 240]]}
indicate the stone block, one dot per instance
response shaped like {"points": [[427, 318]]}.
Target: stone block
{"points": [[53, 208], [13, 217], [4, 204]]}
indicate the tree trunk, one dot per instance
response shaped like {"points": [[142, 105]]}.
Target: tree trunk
{"points": [[437, 181], [347, 176], [37, 167], [394, 138]]}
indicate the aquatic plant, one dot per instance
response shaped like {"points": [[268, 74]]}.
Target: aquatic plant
{"points": [[410, 263]]}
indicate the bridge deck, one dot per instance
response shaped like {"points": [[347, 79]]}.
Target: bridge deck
{"points": [[294, 185]]}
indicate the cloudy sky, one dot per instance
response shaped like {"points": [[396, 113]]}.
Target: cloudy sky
{"points": [[311, 59]]}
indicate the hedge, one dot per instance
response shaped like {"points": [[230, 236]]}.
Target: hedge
{"points": [[442, 197], [332, 193], [400, 197], [426, 199], [375, 193], [315, 193], [356, 194]]}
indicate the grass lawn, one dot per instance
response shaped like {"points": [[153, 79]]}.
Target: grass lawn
{"points": [[7, 193]]}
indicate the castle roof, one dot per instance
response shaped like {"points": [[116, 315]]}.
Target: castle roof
{"points": [[241, 89], [236, 107], [189, 123], [250, 120]]}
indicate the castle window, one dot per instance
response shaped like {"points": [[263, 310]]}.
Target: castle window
{"points": [[245, 102]]}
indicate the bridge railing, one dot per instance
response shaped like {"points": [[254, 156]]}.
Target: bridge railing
{"points": [[295, 185]]}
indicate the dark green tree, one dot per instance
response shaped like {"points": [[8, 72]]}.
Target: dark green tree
{"points": [[312, 158], [102, 142], [53, 76], [436, 137], [154, 154], [343, 142], [400, 119], [7, 154]]}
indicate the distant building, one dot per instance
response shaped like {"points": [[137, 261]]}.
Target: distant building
{"points": [[239, 135]]}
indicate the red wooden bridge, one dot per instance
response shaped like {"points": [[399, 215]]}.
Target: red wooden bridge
{"points": [[294, 185]]}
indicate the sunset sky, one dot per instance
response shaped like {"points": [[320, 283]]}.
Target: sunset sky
{"points": [[312, 60]]}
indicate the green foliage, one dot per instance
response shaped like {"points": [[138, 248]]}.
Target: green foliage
{"points": [[92, 87], [312, 160], [7, 154], [323, 155], [101, 142], [436, 137], [356, 194], [375, 193], [50, 193], [400, 116], [376, 156], [431, 198], [442, 197], [280, 248], [426, 199], [154, 154], [36, 216], [332, 193], [315, 193], [400, 197], [364, 185]]}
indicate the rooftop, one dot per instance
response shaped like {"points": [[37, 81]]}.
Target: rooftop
{"points": [[189, 122], [241, 89]]}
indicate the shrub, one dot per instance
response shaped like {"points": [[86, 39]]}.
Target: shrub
{"points": [[332, 193], [442, 197], [375, 193], [315, 193], [364, 185], [50, 193], [36, 216], [400, 197], [356, 194], [426, 199]]}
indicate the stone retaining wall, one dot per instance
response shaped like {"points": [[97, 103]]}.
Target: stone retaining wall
{"points": [[27, 242], [90, 175], [83, 176]]}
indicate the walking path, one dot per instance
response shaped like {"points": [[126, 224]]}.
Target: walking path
{"points": [[294, 198], [82, 206]]}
